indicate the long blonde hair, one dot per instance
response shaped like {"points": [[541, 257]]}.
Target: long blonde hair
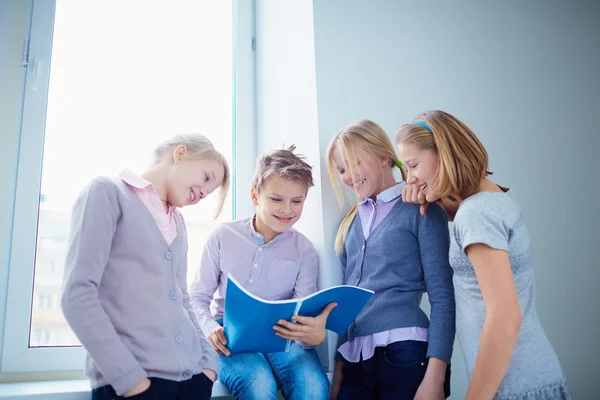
{"points": [[198, 147], [462, 159], [359, 137]]}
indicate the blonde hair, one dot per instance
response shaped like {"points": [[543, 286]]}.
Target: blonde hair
{"points": [[360, 137], [198, 147], [283, 163], [462, 159]]}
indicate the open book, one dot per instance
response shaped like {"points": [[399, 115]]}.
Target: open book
{"points": [[248, 321]]}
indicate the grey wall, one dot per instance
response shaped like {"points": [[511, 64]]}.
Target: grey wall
{"points": [[525, 77]]}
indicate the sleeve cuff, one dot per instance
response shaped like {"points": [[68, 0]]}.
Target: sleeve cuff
{"points": [[209, 326], [127, 382], [308, 347], [440, 349]]}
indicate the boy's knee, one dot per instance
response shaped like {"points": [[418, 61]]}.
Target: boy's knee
{"points": [[311, 384], [262, 386], [318, 389]]}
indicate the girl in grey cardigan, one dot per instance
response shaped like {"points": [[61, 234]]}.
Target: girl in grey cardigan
{"points": [[124, 293]]}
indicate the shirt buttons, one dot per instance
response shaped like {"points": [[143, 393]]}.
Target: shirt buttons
{"points": [[251, 280], [255, 265], [179, 338], [172, 295], [187, 374], [260, 249], [168, 255]]}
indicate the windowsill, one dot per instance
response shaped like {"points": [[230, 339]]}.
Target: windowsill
{"points": [[65, 390], [71, 390]]}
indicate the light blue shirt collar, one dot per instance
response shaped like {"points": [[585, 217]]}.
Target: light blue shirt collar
{"points": [[388, 194], [258, 237]]}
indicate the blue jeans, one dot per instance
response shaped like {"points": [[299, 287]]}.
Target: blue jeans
{"points": [[393, 373], [256, 376], [198, 387]]}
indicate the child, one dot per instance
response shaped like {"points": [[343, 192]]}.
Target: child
{"points": [[391, 351], [124, 292], [275, 262], [506, 351]]}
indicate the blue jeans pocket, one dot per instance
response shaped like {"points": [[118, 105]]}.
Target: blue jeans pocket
{"points": [[408, 353]]}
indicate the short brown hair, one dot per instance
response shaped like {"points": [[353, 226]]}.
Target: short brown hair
{"points": [[283, 163]]}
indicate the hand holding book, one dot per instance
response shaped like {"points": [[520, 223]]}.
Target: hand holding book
{"points": [[218, 341], [252, 324], [309, 330]]}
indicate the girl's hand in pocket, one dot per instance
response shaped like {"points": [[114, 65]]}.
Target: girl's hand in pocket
{"points": [[212, 375], [139, 388]]}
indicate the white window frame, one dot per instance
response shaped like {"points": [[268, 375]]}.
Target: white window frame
{"points": [[16, 355]]}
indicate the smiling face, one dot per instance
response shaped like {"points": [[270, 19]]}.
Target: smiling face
{"points": [[421, 167], [279, 205], [191, 180], [366, 177]]}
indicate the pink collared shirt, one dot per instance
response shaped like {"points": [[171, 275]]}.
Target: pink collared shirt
{"points": [[147, 194]]}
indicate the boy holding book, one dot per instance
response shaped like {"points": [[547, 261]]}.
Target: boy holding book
{"points": [[275, 262]]}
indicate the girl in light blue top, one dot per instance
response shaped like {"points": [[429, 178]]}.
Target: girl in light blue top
{"points": [[507, 354]]}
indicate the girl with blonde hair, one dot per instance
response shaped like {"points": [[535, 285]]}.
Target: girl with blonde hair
{"points": [[125, 292], [392, 350], [507, 354]]}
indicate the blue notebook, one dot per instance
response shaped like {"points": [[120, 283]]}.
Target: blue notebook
{"points": [[248, 321]]}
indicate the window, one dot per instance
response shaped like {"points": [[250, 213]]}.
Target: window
{"points": [[122, 77], [45, 300], [42, 337]]}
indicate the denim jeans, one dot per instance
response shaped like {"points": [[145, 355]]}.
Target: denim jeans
{"points": [[198, 387], [256, 376], [394, 372]]}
